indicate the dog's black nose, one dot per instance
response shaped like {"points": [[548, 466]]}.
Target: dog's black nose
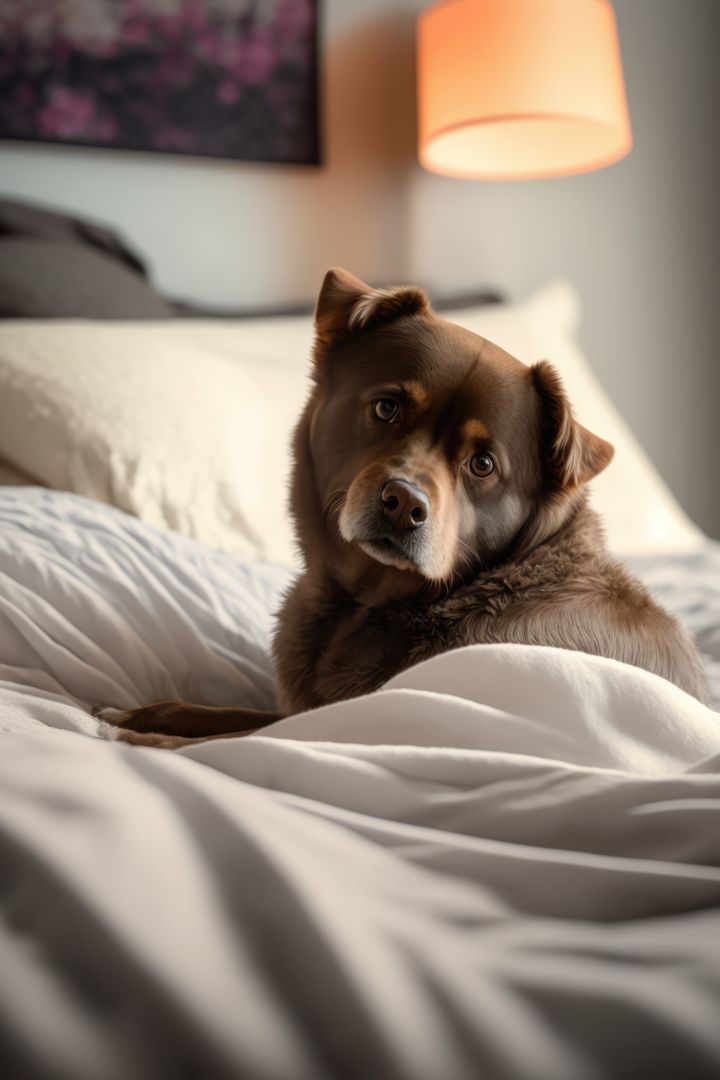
{"points": [[404, 506]]}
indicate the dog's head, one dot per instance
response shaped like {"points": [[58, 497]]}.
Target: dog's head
{"points": [[425, 448]]}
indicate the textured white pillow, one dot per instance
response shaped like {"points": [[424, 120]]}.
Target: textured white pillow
{"points": [[141, 417], [188, 424]]}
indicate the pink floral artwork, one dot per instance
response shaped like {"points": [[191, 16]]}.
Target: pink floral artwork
{"points": [[220, 78]]}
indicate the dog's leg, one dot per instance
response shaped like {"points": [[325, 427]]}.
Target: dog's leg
{"points": [[174, 723]]}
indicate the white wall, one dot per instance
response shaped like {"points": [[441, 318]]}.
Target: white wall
{"points": [[229, 232], [641, 240]]}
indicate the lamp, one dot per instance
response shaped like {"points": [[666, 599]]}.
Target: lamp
{"points": [[511, 89]]}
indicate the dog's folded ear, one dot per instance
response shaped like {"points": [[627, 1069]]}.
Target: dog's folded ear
{"points": [[572, 454], [346, 305]]}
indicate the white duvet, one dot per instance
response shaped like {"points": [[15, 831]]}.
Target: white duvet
{"points": [[504, 864]]}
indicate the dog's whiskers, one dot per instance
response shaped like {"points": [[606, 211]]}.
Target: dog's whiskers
{"points": [[467, 555], [334, 504]]}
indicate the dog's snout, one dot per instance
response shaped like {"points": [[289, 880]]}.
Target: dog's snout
{"points": [[404, 505]]}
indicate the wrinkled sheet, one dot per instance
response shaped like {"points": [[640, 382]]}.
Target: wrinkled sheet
{"points": [[689, 586], [506, 863]]}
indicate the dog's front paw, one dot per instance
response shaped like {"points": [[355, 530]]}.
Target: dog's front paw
{"points": [[146, 718], [110, 721], [112, 727], [107, 714], [153, 719]]}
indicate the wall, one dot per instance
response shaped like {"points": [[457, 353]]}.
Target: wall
{"points": [[227, 232], [641, 240]]}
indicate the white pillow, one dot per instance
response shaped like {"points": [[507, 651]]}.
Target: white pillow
{"points": [[188, 424], [640, 513], [139, 416]]}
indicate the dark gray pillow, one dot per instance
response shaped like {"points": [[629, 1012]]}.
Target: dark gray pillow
{"points": [[47, 279], [54, 265]]}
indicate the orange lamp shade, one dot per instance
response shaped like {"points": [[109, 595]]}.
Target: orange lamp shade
{"points": [[511, 89]]}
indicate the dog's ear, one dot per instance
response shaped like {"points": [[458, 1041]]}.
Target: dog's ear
{"points": [[346, 305], [572, 455], [339, 293]]}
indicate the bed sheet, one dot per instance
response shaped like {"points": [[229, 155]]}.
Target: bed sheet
{"points": [[505, 863], [688, 584]]}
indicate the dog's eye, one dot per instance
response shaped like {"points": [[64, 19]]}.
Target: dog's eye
{"points": [[386, 409], [481, 465]]}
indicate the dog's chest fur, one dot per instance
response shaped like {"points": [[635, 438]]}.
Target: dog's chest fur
{"points": [[566, 593]]}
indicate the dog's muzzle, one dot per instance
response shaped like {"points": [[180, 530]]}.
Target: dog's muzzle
{"points": [[394, 533]]}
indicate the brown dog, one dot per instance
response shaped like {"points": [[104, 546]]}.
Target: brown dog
{"points": [[439, 500]]}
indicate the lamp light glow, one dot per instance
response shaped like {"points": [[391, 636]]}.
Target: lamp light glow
{"points": [[520, 89]]}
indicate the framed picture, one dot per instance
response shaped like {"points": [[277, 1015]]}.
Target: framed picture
{"points": [[218, 78]]}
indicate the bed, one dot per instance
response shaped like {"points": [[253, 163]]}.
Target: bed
{"points": [[505, 863]]}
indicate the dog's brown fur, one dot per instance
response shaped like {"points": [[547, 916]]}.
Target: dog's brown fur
{"points": [[513, 554]]}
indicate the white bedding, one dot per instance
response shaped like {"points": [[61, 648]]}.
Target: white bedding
{"points": [[505, 864]]}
